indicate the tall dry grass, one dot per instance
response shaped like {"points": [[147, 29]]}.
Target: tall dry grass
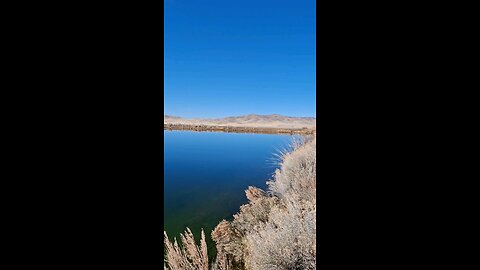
{"points": [[276, 230]]}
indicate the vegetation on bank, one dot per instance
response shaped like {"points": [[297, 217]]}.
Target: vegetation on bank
{"points": [[239, 129], [276, 230]]}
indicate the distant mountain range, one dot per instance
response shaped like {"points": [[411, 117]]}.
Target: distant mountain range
{"points": [[251, 120]]}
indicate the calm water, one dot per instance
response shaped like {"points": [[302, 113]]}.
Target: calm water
{"points": [[206, 175]]}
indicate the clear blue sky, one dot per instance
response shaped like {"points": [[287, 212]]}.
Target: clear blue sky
{"points": [[229, 57]]}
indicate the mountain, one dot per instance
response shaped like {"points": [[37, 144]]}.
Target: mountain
{"points": [[251, 120], [171, 117]]}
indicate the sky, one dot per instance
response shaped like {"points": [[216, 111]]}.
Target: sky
{"points": [[229, 58]]}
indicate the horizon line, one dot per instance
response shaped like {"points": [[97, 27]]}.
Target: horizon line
{"points": [[256, 114]]}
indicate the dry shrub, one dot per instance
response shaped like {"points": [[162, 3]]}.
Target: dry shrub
{"points": [[255, 214], [221, 262], [286, 242], [228, 241], [288, 239], [277, 230], [296, 180]]}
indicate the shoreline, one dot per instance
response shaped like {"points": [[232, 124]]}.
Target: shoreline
{"points": [[231, 129]]}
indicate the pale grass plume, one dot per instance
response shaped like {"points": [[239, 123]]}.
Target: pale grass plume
{"points": [[189, 256]]}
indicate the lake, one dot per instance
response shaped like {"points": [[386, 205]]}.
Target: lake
{"points": [[206, 174]]}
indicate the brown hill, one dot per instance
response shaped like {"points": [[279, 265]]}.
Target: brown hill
{"points": [[251, 120]]}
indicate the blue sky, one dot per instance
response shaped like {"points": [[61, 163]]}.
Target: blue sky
{"points": [[226, 57]]}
